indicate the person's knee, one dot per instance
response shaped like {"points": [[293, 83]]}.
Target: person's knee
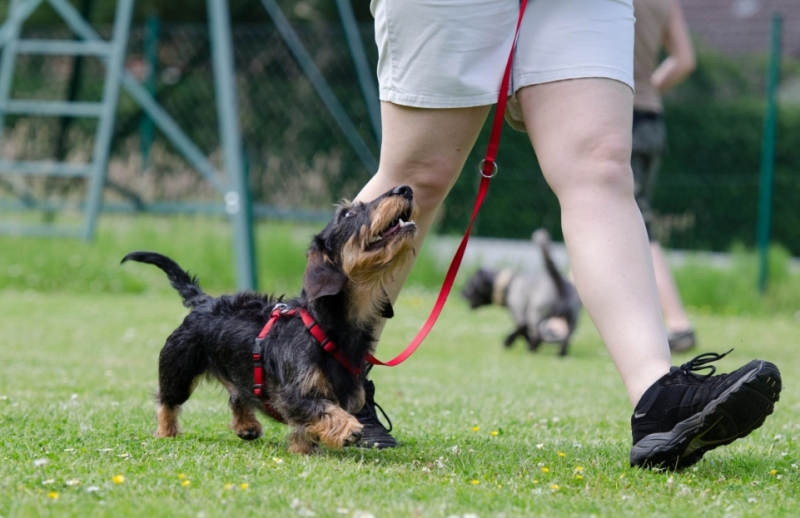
{"points": [[600, 166], [431, 180]]}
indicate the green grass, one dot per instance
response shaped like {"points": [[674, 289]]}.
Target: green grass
{"points": [[78, 372], [79, 342], [203, 246]]}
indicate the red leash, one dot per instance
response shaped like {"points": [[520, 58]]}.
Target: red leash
{"points": [[487, 168]]}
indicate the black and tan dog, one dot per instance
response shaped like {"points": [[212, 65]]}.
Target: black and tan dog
{"points": [[532, 299], [308, 382]]}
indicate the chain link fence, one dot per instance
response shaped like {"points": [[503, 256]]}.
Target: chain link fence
{"points": [[300, 162]]}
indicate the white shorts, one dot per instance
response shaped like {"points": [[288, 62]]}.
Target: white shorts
{"points": [[452, 53]]}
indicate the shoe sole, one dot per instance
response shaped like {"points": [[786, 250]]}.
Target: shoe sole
{"points": [[734, 414]]}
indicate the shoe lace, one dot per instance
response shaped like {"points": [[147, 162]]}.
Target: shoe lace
{"points": [[375, 415], [370, 405], [701, 362]]}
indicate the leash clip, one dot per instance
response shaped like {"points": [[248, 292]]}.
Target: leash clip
{"points": [[494, 169], [281, 308]]}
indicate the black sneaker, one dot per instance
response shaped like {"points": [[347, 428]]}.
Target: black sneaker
{"points": [[681, 341], [683, 415], [374, 434]]}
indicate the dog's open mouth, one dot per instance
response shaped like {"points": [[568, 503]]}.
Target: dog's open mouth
{"points": [[399, 225]]}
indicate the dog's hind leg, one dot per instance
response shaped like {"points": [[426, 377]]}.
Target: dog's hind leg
{"points": [[519, 331], [564, 346], [244, 423], [180, 366]]}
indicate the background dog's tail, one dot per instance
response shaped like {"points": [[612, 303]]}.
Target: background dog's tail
{"points": [[542, 238], [186, 285]]}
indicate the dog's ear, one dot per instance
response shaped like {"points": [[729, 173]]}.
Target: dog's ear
{"points": [[322, 278], [388, 310]]}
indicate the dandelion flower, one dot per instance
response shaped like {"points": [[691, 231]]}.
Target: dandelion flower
{"points": [[52, 495], [476, 428], [579, 477], [545, 470], [495, 433], [578, 469], [475, 482], [773, 472], [228, 487], [555, 487], [186, 483], [277, 460], [244, 485], [561, 454], [118, 479], [181, 476]]}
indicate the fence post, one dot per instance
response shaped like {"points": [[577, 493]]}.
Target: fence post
{"points": [[768, 154], [237, 196], [146, 126]]}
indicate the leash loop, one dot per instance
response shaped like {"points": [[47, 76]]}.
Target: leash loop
{"points": [[482, 169]]}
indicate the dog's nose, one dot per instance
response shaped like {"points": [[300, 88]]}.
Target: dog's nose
{"points": [[404, 191]]}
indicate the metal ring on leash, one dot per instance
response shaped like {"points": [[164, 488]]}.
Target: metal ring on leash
{"points": [[494, 169]]}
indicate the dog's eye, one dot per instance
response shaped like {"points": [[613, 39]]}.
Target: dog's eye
{"points": [[349, 213]]}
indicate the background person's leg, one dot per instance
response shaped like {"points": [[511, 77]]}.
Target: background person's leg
{"points": [[581, 131]]}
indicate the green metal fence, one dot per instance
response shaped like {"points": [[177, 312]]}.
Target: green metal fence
{"points": [[301, 158]]}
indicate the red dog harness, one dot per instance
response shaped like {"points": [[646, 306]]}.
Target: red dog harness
{"points": [[282, 310]]}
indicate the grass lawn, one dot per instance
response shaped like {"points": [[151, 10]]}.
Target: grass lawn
{"points": [[483, 431]]}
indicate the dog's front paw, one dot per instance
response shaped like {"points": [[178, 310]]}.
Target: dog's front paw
{"points": [[354, 437], [336, 428]]}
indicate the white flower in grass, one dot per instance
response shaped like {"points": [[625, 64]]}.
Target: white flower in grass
{"points": [[40, 462], [92, 489], [363, 514], [69, 450], [539, 446], [751, 500], [73, 482], [470, 515], [48, 481], [342, 510]]}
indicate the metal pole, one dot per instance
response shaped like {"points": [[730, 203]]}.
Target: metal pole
{"points": [[146, 127], [768, 154], [365, 75], [237, 197], [105, 128]]}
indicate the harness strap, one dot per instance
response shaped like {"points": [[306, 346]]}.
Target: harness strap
{"points": [[316, 331]]}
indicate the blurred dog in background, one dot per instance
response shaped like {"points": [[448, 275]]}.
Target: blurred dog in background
{"points": [[532, 299]]}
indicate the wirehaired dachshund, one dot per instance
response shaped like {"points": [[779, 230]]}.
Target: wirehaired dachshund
{"points": [[316, 343]]}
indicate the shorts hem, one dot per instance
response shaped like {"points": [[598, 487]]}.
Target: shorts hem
{"points": [[524, 79]]}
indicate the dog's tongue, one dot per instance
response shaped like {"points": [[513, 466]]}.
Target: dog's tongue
{"points": [[391, 230]]}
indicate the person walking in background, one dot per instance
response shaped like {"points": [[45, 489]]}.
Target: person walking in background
{"points": [[659, 25], [439, 70]]}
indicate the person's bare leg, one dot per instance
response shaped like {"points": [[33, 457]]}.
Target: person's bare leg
{"points": [[672, 308], [581, 131], [425, 149]]}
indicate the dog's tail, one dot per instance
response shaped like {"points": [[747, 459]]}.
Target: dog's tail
{"points": [[542, 239], [186, 285]]}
